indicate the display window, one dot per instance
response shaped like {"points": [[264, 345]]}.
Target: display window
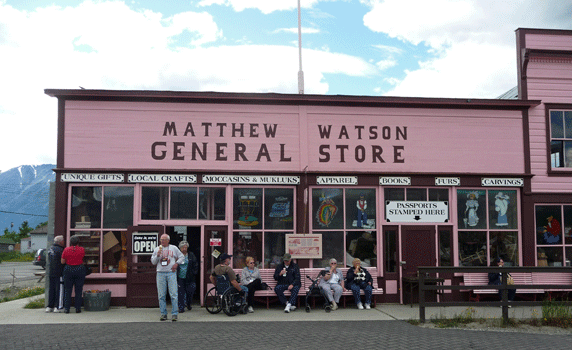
{"points": [[487, 223], [553, 235], [183, 203], [347, 220], [561, 139], [100, 215], [261, 219]]}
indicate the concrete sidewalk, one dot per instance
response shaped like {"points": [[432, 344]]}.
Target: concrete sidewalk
{"points": [[15, 313]]}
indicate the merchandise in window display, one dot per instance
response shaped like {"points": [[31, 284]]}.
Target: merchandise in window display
{"points": [[326, 211], [248, 207], [501, 207], [552, 231], [281, 208], [361, 214], [472, 204]]}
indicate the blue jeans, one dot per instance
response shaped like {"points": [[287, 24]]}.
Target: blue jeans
{"points": [[367, 289], [186, 292], [281, 288], [167, 280]]}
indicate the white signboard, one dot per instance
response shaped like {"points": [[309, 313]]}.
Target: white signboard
{"points": [[411, 211], [447, 181], [514, 182], [302, 246], [162, 178], [86, 177], [251, 179], [401, 181], [336, 180], [145, 243]]}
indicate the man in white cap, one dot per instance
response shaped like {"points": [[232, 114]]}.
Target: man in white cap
{"points": [[167, 257]]}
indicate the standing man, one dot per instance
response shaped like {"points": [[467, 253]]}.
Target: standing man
{"points": [[167, 257], [287, 276], [55, 273]]}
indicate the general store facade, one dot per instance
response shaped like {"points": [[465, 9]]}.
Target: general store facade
{"points": [[397, 182]]}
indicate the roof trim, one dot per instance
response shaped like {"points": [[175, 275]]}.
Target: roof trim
{"points": [[287, 99]]}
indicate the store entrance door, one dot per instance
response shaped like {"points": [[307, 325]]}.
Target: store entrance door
{"points": [[417, 249], [215, 243], [141, 273]]}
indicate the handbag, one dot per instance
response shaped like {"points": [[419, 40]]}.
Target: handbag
{"points": [[509, 280]]}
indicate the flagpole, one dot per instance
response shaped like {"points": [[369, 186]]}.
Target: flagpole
{"points": [[300, 72]]}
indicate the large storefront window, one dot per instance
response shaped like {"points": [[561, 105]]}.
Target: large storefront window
{"points": [[487, 223], [553, 235], [182, 203], [104, 244], [261, 219], [561, 139], [346, 219]]}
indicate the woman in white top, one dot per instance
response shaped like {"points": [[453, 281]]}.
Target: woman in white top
{"points": [[332, 284], [250, 278]]}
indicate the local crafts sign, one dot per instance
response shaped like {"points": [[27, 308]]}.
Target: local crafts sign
{"points": [[145, 243], [412, 211]]}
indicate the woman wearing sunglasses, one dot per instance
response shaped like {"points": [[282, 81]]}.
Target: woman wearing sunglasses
{"points": [[332, 284]]}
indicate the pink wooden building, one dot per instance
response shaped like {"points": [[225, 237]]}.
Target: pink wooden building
{"points": [[396, 182]]}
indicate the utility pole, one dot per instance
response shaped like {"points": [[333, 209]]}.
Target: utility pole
{"points": [[300, 72]]}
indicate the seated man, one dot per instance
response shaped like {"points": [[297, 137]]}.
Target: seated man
{"points": [[287, 276], [224, 269]]}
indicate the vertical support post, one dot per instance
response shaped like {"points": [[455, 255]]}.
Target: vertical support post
{"points": [[422, 297], [504, 299]]}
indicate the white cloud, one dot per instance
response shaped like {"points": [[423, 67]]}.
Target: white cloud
{"points": [[305, 30], [264, 6]]}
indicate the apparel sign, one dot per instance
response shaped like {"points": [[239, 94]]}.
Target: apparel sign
{"points": [[145, 243]]}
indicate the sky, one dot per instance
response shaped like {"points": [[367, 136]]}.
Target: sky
{"points": [[412, 48]]}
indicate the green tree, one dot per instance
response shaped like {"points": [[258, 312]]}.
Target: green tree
{"points": [[24, 231]]}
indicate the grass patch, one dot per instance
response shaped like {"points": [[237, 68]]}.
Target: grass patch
{"points": [[36, 304], [557, 314], [25, 293], [16, 257], [465, 318]]}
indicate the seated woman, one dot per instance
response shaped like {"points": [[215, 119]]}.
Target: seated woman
{"points": [[495, 278], [333, 281], [359, 278], [250, 277]]}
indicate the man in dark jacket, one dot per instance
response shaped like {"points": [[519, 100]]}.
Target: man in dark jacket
{"points": [[287, 276], [55, 274]]}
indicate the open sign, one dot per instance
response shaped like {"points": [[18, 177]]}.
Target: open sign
{"points": [[145, 243]]}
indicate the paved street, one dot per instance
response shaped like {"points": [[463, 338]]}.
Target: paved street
{"points": [[267, 335], [22, 270]]}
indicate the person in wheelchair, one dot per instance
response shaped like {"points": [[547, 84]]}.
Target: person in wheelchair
{"points": [[224, 269]]}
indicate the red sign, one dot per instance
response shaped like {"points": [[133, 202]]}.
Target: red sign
{"points": [[216, 242]]}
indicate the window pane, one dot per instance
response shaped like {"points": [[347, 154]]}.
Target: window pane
{"points": [[86, 207], [183, 203], [472, 248], [556, 154], [212, 203], [360, 208], [438, 194], [471, 209], [274, 248], [550, 256], [114, 259], [390, 250], [394, 194], [568, 225], [445, 248], [416, 194], [327, 204], [279, 208], [504, 245], [568, 256], [246, 244], [556, 124], [548, 229], [361, 245], [91, 243], [502, 210], [568, 154], [333, 247], [154, 203], [117, 207], [247, 212], [568, 124]]}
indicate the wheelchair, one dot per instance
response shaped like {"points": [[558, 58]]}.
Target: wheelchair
{"points": [[224, 297]]}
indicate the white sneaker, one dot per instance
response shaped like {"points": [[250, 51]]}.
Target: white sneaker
{"points": [[58, 310], [287, 308], [250, 309], [292, 307], [367, 307], [360, 306], [49, 309], [334, 306]]}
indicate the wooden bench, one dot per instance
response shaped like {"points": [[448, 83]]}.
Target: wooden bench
{"points": [[482, 278], [267, 276], [313, 272], [564, 278]]}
